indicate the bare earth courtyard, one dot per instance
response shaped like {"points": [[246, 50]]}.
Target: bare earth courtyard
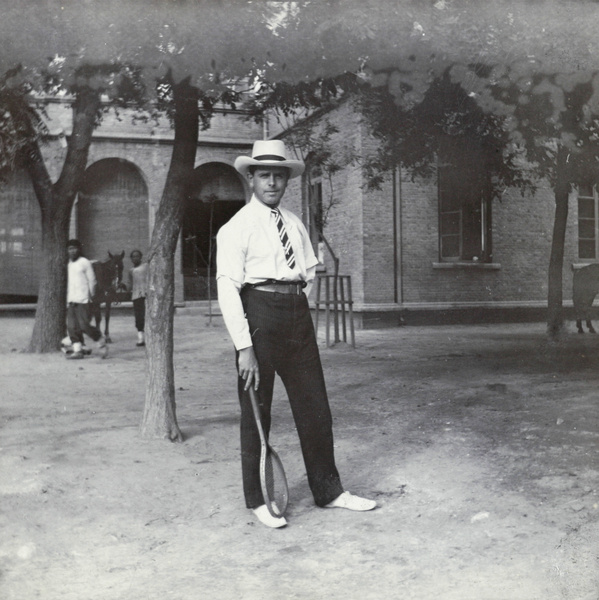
{"points": [[480, 443]]}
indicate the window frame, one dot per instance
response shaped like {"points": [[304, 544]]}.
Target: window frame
{"points": [[594, 219], [313, 212], [483, 237]]}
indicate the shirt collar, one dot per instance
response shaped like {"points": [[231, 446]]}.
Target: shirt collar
{"points": [[261, 208]]}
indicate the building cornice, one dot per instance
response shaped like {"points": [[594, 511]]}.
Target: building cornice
{"points": [[168, 141]]}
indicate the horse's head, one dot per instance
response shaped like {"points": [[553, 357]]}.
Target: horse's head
{"points": [[115, 267]]}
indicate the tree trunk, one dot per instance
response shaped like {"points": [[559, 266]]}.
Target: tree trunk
{"points": [[159, 418], [335, 288], [56, 202], [555, 317], [50, 316]]}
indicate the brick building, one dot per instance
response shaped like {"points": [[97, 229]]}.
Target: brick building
{"points": [[416, 248], [411, 248], [124, 180]]}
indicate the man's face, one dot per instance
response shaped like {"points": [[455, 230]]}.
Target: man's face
{"points": [[73, 252], [269, 184], [136, 258]]}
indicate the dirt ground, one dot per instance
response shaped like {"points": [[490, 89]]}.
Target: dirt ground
{"points": [[480, 444]]}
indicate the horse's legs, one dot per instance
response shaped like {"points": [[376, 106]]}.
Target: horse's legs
{"points": [[95, 312], [589, 313], [106, 323], [579, 325]]}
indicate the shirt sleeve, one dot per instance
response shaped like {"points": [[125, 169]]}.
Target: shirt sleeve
{"points": [[91, 279], [143, 280], [230, 260], [309, 257], [310, 280]]}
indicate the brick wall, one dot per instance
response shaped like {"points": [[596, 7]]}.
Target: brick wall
{"points": [[344, 227], [20, 237], [364, 226], [148, 147], [521, 231], [381, 281]]}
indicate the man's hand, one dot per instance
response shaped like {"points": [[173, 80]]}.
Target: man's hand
{"points": [[248, 367]]}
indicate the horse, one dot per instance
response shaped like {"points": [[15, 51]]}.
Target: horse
{"points": [[585, 286], [109, 281]]}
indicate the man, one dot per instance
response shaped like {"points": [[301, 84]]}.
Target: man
{"points": [[81, 286], [265, 268], [137, 284]]}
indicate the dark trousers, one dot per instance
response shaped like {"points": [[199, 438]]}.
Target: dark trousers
{"points": [[78, 323], [285, 343], [139, 311]]}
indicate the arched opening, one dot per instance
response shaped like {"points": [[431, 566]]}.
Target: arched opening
{"points": [[112, 212], [217, 193]]}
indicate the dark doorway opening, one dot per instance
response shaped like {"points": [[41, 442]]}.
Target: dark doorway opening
{"points": [[217, 194]]}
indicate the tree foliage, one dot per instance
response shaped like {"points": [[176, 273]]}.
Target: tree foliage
{"points": [[20, 123], [553, 115], [446, 123]]}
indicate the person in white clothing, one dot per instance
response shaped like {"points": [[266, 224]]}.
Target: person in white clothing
{"points": [[81, 286], [265, 268]]}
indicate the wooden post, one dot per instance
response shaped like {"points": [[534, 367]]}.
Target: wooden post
{"points": [[342, 297], [318, 280], [342, 293], [327, 309], [350, 302]]}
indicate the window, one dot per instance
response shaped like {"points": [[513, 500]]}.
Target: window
{"points": [[313, 209], [12, 241], [464, 215], [587, 222]]}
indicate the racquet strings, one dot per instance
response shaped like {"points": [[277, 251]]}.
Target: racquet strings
{"points": [[276, 484]]}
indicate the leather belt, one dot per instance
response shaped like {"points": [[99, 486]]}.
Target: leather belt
{"points": [[281, 287]]}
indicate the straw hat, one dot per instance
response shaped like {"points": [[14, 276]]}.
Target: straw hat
{"points": [[269, 153]]}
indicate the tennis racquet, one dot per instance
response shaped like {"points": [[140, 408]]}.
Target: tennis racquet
{"points": [[272, 475]]}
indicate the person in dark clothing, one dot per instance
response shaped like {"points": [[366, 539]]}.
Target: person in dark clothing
{"points": [[137, 285]]}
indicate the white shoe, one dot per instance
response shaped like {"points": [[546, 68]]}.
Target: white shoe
{"points": [[66, 345], [267, 519], [351, 502]]}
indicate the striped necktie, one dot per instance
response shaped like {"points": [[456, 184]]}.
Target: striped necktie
{"points": [[284, 238]]}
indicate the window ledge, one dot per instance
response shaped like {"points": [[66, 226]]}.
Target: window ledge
{"points": [[467, 265], [580, 265]]}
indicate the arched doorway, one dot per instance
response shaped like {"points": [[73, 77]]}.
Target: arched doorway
{"points": [[217, 194], [112, 212]]}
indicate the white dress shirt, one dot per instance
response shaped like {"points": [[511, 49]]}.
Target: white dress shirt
{"points": [[81, 283], [249, 250]]}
